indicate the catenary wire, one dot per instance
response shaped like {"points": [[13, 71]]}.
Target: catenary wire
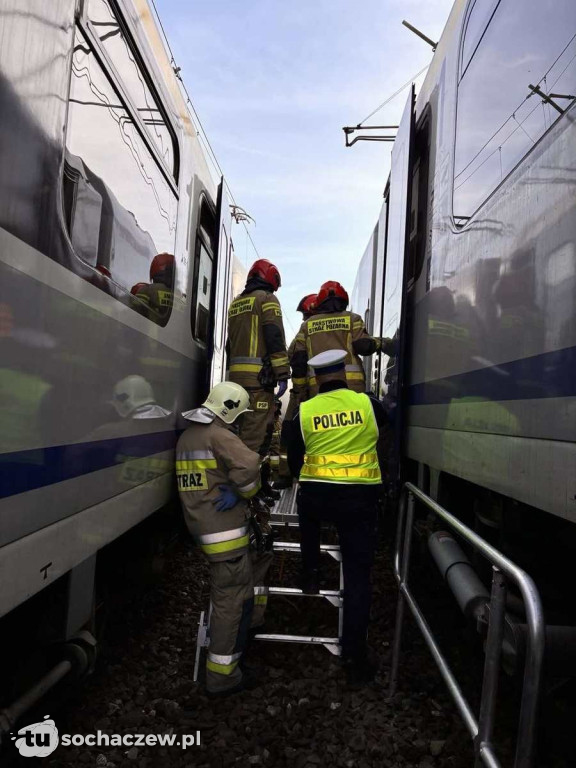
{"points": [[393, 96]]}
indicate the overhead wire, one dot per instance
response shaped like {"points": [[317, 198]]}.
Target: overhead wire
{"points": [[393, 96]]}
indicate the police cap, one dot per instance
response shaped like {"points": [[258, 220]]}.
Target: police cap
{"points": [[330, 361]]}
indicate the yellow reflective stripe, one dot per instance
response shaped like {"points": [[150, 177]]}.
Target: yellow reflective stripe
{"points": [[358, 324], [354, 376], [343, 458], [340, 472], [253, 336], [260, 599], [225, 546], [221, 669], [299, 337], [247, 367], [312, 380], [267, 306], [247, 491], [299, 381], [186, 466], [277, 361]]}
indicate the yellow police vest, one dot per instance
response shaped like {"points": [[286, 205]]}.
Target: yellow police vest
{"points": [[340, 435]]}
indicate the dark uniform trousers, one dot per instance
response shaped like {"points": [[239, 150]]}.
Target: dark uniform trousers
{"points": [[353, 512]]}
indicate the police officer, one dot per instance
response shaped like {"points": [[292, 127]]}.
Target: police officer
{"points": [[155, 299], [333, 327], [333, 451], [257, 358], [217, 474], [298, 393]]}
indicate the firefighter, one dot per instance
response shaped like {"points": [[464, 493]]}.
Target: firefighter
{"points": [[333, 327], [155, 299], [217, 475], [298, 394], [257, 357], [333, 452]]}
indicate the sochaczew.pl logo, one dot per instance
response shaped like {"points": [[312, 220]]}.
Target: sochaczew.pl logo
{"points": [[37, 739]]}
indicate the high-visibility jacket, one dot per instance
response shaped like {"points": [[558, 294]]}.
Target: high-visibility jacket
{"points": [[340, 435], [333, 330], [256, 336], [154, 301], [209, 455]]}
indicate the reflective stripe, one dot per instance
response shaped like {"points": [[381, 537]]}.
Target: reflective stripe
{"points": [[351, 376], [261, 590], [270, 305], [276, 361], [187, 466], [214, 538], [246, 368], [225, 546], [249, 490], [299, 381], [300, 337], [260, 599], [342, 458], [222, 665], [193, 455], [274, 459], [244, 360], [340, 472], [254, 336], [358, 324]]}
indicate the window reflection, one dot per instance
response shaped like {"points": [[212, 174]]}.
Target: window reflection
{"points": [[499, 117], [119, 208], [109, 32]]}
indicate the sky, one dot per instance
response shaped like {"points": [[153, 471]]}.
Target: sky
{"points": [[274, 83]]}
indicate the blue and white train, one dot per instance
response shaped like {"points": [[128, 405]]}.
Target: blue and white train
{"points": [[471, 270], [101, 168]]}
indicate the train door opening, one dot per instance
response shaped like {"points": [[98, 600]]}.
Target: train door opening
{"points": [[222, 294]]}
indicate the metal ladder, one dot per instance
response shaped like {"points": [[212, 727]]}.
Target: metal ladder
{"points": [[284, 514]]}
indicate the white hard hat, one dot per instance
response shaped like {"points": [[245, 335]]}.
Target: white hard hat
{"points": [[131, 393], [227, 400], [328, 361]]}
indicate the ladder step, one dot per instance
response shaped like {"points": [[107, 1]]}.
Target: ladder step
{"points": [[294, 546], [295, 591], [299, 639]]}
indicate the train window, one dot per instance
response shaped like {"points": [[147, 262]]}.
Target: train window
{"points": [[119, 208], [417, 224], [499, 117], [109, 29], [203, 271]]}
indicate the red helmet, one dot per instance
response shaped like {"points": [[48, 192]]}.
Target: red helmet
{"points": [[137, 288], [331, 288], [307, 304], [267, 272], [162, 262]]}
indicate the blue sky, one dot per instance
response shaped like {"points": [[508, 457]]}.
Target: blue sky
{"points": [[273, 83]]}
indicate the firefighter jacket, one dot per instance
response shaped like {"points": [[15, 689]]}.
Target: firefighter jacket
{"points": [[209, 455], [300, 386], [340, 438], [256, 345], [154, 301], [333, 330]]}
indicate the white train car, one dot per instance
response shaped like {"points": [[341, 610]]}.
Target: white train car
{"points": [[100, 170], [474, 279]]}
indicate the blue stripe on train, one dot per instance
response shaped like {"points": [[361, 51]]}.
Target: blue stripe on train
{"points": [[551, 374], [26, 470]]}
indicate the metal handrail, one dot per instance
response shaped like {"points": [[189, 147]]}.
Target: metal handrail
{"points": [[503, 569]]}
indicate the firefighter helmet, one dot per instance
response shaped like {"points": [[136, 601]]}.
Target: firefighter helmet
{"points": [[161, 265], [307, 304], [329, 289], [135, 290], [267, 272], [131, 393], [227, 400]]}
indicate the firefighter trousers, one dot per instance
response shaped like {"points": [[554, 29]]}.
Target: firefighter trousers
{"points": [[256, 425], [238, 602]]}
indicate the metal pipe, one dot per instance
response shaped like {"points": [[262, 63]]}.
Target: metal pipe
{"points": [[401, 571], [492, 663], [470, 593], [11, 714]]}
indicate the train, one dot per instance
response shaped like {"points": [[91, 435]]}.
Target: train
{"points": [[102, 169], [470, 272]]}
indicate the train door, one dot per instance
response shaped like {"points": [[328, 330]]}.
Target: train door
{"points": [[395, 278], [221, 295]]}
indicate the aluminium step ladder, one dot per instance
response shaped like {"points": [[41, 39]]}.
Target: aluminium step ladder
{"points": [[284, 515]]}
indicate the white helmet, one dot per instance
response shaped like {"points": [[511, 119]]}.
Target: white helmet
{"points": [[131, 393], [227, 400]]}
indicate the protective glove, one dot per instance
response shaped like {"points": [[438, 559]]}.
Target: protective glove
{"points": [[282, 387], [227, 498]]}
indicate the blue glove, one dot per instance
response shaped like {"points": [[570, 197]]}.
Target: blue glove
{"points": [[227, 498], [282, 387]]}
